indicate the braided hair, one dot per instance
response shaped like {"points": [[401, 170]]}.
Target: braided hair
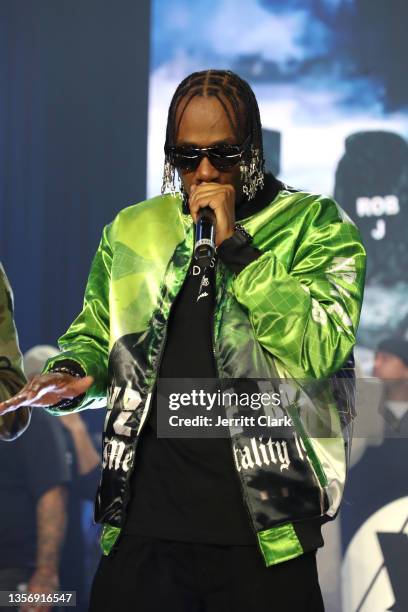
{"points": [[224, 85], [233, 93]]}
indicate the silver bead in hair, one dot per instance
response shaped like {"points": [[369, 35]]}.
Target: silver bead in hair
{"points": [[168, 184], [252, 175], [182, 191]]}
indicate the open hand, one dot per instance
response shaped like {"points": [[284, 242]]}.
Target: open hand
{"points": [[47, 390]]}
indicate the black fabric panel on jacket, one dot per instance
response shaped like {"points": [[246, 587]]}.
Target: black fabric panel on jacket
{"points": [[237, 256], [309, 532]]}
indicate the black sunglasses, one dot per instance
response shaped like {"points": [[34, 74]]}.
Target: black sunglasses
{"points": [[221, 156]]}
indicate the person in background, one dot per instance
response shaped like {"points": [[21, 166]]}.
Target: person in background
{"points": [[387, 456], [391, 366], [11, 375], [33, 479], [84, 464], [33, 476]]}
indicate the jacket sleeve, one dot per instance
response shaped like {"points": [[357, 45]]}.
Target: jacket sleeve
{"points": [[86, 342], [12, 378], [306, 314]]}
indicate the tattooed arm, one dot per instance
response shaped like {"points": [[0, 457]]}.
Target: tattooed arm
{"points": [[51, 521]]}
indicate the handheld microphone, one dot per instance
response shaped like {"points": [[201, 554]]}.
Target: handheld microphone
{"points": [[204, 248]]}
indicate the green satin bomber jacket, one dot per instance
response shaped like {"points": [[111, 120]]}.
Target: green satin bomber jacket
{"points": [[291, 316]]}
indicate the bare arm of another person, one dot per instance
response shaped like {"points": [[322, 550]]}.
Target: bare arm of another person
{"points": [[86, 455], [51, 520]]}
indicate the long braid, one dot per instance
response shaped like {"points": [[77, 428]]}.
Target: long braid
{"points": [[234, 93]]}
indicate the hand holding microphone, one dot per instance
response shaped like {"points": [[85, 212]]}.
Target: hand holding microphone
{"points": [[212, 206], [204, 248]]}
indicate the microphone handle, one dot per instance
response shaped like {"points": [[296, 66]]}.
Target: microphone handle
{"points": [[204, 249]]}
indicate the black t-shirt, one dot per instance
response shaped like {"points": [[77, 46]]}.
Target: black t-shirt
{"points": [[30, 466], [186, 489]]}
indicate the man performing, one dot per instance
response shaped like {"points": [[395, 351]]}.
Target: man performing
{"points": [[212, 524]]}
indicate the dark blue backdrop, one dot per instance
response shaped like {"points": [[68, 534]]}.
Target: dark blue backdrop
{"points": [[73, 130]]}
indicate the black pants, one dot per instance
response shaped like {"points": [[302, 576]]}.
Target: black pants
{"points": [[147, 575]]}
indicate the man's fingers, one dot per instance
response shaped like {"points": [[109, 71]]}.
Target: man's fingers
{"points": [[210, 194], [207, 191], [39, 391], [207, 188], [65, 388], [13, 403], [202, 202]]}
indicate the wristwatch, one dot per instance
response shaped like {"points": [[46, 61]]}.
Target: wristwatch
{"points": [[240, 235]]}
